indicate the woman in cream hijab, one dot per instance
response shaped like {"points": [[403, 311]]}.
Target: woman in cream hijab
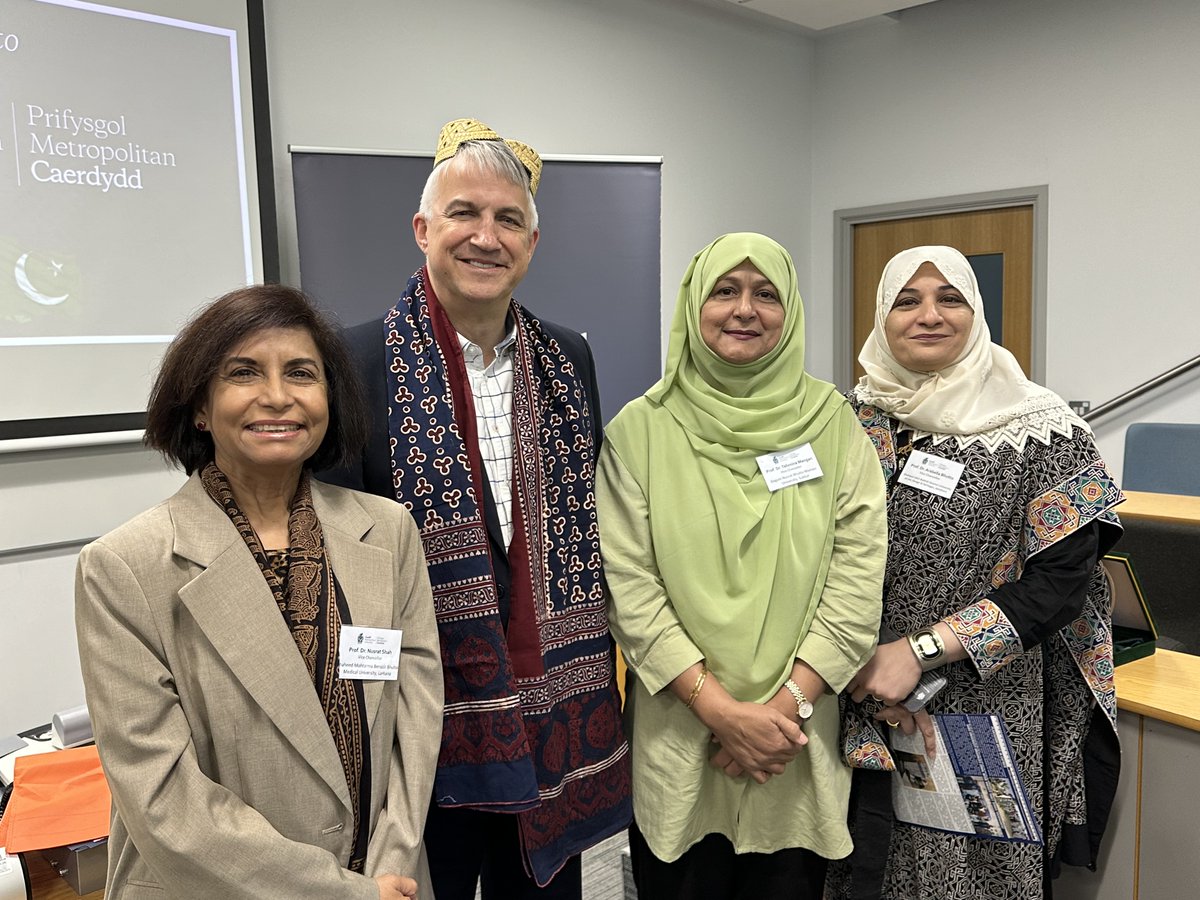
{"points": [[998, 507], [743, 540]]}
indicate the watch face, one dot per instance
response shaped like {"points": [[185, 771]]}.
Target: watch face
{"points": [[928, 646], [805, 709]]}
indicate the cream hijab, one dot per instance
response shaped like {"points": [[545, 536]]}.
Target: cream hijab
{"points": [[982, 396]]}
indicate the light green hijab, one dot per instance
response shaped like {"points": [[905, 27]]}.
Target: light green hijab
{"points": [[744, 567], [768, 404]]}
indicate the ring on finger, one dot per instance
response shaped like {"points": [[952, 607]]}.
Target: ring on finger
{"points": [[892, 724]]}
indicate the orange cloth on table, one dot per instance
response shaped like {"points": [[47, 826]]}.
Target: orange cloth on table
{"points": [[58, 798]]}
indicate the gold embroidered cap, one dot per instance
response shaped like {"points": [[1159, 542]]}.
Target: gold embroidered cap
{"points": [[455, 134]]}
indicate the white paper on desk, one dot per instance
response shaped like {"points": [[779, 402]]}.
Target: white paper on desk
{"points": [[31, 748], [11, 743], [12, 878]]}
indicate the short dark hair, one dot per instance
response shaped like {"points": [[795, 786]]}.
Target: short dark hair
{"points": [[195, 355]]}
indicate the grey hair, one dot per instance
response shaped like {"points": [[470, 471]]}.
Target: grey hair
{"points": [[489, 158]]}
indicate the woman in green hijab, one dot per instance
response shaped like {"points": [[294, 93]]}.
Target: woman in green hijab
{"points": [[743, 531]]}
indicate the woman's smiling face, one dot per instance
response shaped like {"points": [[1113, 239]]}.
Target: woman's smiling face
{"points": [[267, 406], [742, 319], [929, 323]]}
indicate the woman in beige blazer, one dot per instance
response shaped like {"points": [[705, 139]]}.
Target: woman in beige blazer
{"points": [[259, 651]]}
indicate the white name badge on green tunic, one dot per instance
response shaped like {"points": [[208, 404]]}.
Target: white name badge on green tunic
{"points": [[930, 473], [787, 467], [369, 654]]}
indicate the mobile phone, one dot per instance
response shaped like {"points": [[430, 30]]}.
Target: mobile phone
{"points": [[925, 691]]}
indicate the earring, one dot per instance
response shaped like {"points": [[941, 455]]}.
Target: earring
{"points": [[200, 426]]}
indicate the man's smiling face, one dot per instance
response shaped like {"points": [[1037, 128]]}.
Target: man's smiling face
{"points": [[476, 239]]}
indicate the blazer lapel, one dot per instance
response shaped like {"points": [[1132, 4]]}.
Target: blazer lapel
{"points": [[233, 605], [363, 571], [491, 519]]}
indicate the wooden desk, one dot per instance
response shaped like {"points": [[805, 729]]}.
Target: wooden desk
{"points": [[1149, 851], [1164, 685], [47, 884], [1178, 508]]}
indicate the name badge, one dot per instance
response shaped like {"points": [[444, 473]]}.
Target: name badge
{"points": [[787, 467], [369, 654], [932, 474]]}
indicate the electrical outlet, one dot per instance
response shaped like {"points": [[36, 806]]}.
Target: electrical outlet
{"points": [[1080, 407]]}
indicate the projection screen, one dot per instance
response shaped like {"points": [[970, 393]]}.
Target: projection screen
{"points": [[128, 197]]}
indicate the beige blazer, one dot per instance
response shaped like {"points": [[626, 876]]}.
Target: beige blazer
{"points": [[225, 779]]}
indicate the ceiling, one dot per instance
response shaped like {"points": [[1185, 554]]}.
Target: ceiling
{"points": [[818, 15]]}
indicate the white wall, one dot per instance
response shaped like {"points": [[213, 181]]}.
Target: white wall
{"points": [[760, 129], [1099, 100], [667, 78], [53, 502], [724, 101]]}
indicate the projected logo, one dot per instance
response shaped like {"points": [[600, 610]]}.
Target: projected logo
{"points": [[50, 274], [35, 285]]}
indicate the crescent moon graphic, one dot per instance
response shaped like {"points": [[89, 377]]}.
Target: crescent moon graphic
{"points": [[29, 290]]}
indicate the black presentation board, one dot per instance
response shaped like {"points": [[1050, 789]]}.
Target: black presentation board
{"points": [[596, 268]]}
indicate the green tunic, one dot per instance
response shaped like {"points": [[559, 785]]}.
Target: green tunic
{"points": [[757, 616]]}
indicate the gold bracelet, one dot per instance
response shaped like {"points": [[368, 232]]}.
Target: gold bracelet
{"points": [[699, 684]]}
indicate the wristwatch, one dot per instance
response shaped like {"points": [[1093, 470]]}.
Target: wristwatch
{"points": [[804, 707], [927, 646]]}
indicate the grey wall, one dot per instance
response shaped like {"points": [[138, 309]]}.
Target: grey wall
{"points": [[723, 100], [759, 129], [1099, 101], [726, 102]]}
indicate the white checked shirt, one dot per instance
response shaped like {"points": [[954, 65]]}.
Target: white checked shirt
{"points": [[492, 389]]}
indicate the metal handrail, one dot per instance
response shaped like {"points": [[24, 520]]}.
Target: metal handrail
{"points": [[1144, 388]]}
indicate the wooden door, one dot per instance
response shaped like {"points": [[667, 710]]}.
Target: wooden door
{"points": [[999, 244]]}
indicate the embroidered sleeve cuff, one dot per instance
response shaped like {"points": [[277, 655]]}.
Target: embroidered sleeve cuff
{"points": [[863, 746], [671, 654], [989, 638]]}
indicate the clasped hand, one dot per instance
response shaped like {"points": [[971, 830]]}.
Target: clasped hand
{"points": [[396, 887], [756, 739]]}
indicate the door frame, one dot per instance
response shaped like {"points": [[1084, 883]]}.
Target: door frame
{"points": [[844, 220]]}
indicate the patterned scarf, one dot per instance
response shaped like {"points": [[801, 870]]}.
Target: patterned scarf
{"points": [[303, 588], [515, 701]]}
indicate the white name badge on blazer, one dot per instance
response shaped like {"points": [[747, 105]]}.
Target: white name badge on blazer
{"points": [[932, 474], [369, 654], [787, 467]]}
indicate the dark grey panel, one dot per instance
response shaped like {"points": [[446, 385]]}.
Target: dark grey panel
{"points": [[596, 268], [989, 272]]}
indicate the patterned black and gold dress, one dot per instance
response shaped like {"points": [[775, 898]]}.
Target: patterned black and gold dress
{"points": [[1009, 562]]}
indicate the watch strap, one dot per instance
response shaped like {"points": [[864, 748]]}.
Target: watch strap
{"points": [[804, 707]]}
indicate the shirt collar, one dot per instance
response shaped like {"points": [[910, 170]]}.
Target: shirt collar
{"points": [[473, 353]]}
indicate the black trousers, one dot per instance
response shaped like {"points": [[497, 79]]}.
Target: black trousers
{"points": [[467, 847], [711, 869]]}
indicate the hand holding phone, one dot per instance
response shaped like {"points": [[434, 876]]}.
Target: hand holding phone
{"points": [[926, 689]]}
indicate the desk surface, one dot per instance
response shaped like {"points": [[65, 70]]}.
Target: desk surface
{"points": [[1161, 507], [1164, 685], [48, 884]]}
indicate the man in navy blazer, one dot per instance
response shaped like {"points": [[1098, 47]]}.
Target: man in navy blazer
{"points": [[486, 424]]}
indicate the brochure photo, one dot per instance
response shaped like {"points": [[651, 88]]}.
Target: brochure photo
{"points": [[971, 786]]}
